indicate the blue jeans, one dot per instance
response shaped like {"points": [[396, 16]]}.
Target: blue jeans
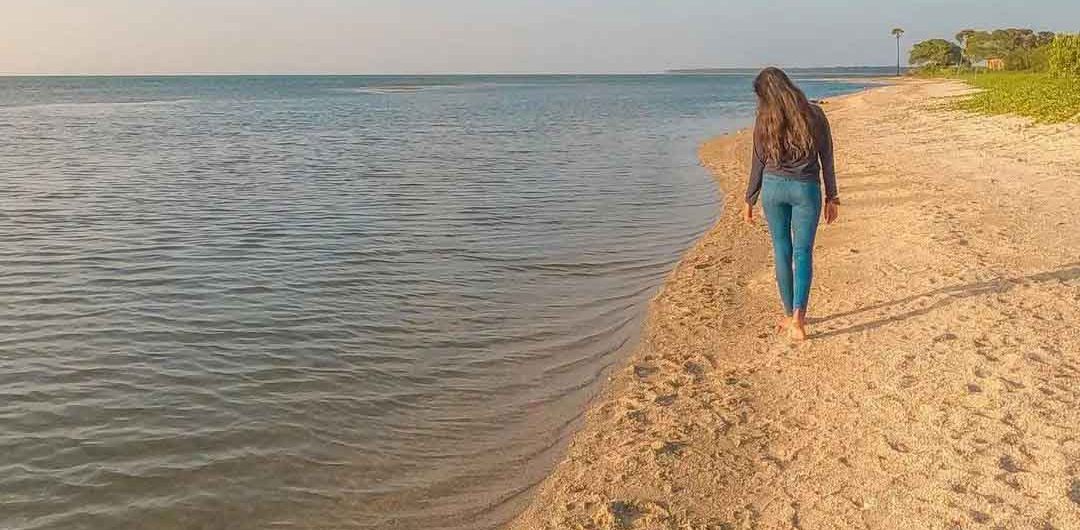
{"points": [[792, 208]]}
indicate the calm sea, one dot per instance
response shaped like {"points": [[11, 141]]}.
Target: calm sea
{"points": [[327, 302]]}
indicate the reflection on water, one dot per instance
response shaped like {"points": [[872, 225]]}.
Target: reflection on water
{"points": [[326, 302]]}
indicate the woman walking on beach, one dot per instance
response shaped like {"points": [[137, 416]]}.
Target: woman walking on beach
{"points": [[793, 154]]}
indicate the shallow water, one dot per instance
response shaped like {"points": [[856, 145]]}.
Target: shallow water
{"points": [[327, 302]]}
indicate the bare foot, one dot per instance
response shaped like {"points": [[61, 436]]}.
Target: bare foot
{"points": [[783, 324], [797, 330]]}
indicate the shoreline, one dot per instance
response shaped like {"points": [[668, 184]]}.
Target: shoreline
{"points": [[907, 407]]}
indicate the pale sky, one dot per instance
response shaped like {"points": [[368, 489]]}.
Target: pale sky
{"points": [[482, 36]]}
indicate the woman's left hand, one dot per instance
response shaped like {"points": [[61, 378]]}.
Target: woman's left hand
{"points": [[832, 212]]}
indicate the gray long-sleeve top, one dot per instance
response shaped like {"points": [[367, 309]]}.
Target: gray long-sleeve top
{"points": [[819, 164]]}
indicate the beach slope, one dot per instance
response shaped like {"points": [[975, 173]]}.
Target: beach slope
{"points": [[941, 387]]}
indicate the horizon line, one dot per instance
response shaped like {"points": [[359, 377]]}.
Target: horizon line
{"points": [[429, 74]]}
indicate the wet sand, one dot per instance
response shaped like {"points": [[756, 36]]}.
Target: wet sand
{"points": [[941, 384]]}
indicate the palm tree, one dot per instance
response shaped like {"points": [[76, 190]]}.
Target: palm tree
{"points": [[898, 32]]}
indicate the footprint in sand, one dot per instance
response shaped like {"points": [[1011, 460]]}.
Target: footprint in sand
{"points": [[625, 515], [643, 372], [667, 449], [1009, 464], [1074, 491], [621, 514], [979, 517], [694, 369]]}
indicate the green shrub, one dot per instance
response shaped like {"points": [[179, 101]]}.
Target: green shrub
{"points": [[931, 70], [934, 53], [1030, 60], [1064, 56], [1044, 98]]}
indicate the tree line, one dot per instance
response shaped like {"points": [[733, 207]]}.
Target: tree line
{"points": [[1019, 49]]}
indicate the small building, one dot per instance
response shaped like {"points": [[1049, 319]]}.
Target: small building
{"points": [[995, 64]]}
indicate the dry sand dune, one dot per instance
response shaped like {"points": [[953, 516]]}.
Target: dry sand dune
{"points": [[941, 387]]}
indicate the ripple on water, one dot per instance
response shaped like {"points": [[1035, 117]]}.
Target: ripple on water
{"points": [[325, 302]]}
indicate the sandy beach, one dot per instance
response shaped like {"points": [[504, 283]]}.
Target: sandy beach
{"points": [[941, 384]]}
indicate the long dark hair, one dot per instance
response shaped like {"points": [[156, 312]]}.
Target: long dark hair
{"points": [[783, 131]]}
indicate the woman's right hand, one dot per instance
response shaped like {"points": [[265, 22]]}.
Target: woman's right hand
{"points": [[748, 213], [832, 211]]}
